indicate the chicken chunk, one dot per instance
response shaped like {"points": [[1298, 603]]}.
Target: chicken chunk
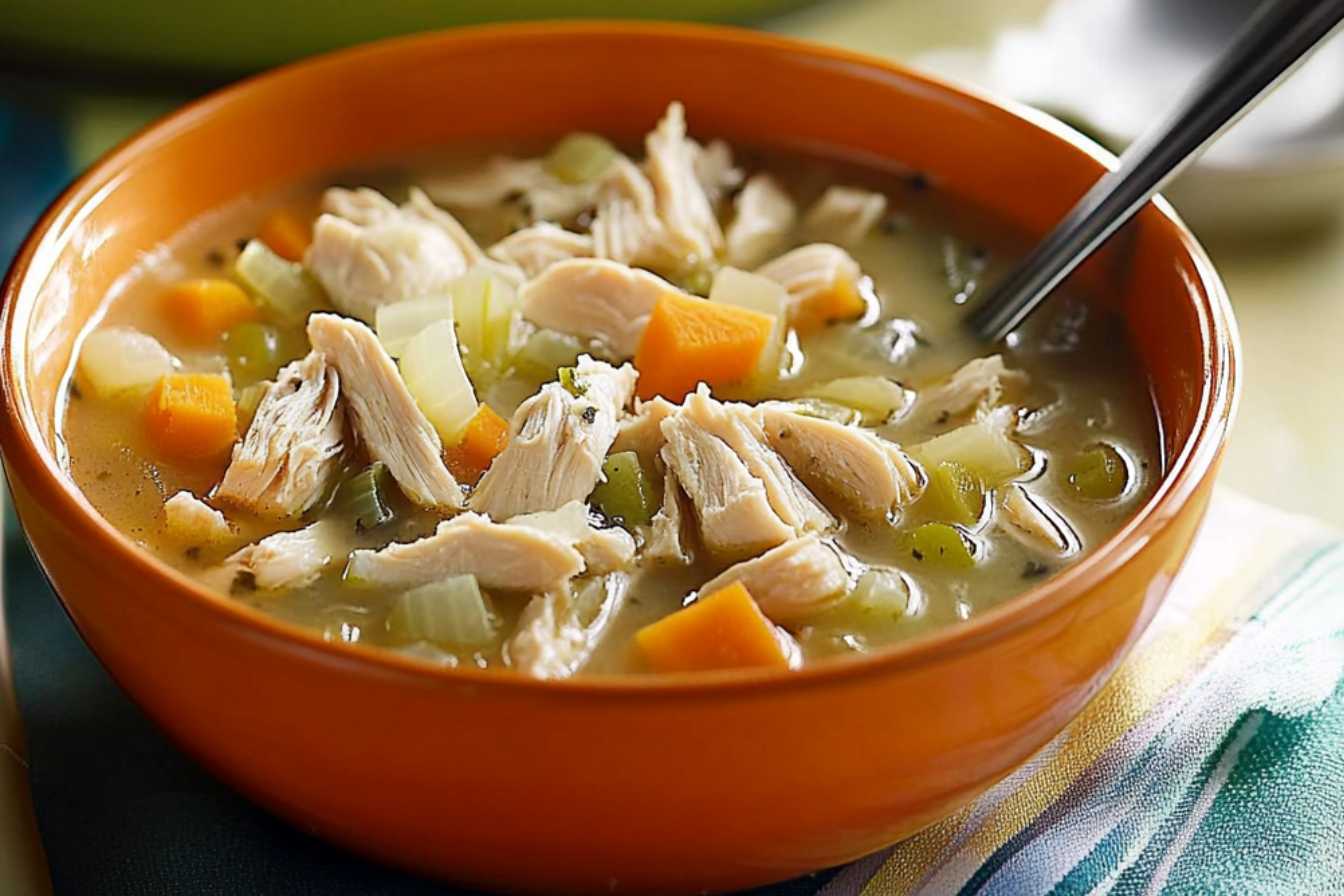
{"points": [[534, 249], [189, 520], [869, 475], [557, 442], [383, 413], [844, 215], [525, 181], [642, 431], [810, 271], [764, 215], [287, 559], [384, 253], [293, 446], [626, 226], [715, 170], [745, 497], [504, 556], [977, 385], [558, 632], [792, 581], [666, 543], [604, 549], [1035, 523], [683, 207], [593, 298]]}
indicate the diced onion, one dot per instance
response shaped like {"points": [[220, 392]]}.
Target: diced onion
{"points": [[485, 307], [452, 611], [115, 360], [399, 322], [756, 293], [877, 398], [432, 368], [982, 446]]}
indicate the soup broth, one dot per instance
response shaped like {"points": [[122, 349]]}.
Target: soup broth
{"points": [[931, 533]]}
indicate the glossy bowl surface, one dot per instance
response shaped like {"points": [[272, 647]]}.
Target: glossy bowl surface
{"points": [[639, 784]]}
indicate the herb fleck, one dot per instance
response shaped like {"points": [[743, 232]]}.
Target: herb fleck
{"points": [[1034, 569], [193, 552], [590, 415], [917, 553]]}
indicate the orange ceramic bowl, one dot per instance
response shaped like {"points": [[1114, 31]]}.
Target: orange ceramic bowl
{"points": [[673, 784]]}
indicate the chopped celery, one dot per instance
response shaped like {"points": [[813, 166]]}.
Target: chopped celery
{"points": [[569, 378], [363, 497], [877, 398], [117, 360], [880, 599], [940, 546], [485, 308], [825, 410], [399, 322], [545, 352], [282, 286], [452, 611], [880, 348], [624, 495], [1097, 473], [697, 279], [579, 158], [249, 398], [436, 379], [757, 293], [253, 351], [954, 494], [982, 446]]}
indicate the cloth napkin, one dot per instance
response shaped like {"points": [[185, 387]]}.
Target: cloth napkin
{"points": [[1213, 762]]}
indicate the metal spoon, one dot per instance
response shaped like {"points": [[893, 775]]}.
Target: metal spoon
{"points": [[1279, 36]]}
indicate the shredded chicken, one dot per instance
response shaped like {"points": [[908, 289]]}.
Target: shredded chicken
{"points": [[810, 270], [604, 549], [384, 253], [383, 413], [557, 442], [977, 385], [558, 632], [1032, 520], [714, 169], [745, 497], [790, 582], [287, 559], [534, 249], [667, 536], [189, 520], [595, 299], [866, 473], [642, 431], [525, 181], [293, 446], [683, 207], [626, 226], [844, 214], [764, 215], [505, 556]]}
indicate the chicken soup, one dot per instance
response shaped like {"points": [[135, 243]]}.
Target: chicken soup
{"points": [[598, 409]]}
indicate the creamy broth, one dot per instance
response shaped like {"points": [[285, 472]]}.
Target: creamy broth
{"points": [[924, 260]]}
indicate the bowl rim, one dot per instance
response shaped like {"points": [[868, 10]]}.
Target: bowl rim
{"points": [[28, 459]]}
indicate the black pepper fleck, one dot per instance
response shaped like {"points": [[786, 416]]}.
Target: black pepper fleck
{"points": [[192, 553], [1034, 569], [243, 583], [590, 414], [75, 392], [214, 258], [919, 181], [943, 417], [241, 243], [917, 553]]}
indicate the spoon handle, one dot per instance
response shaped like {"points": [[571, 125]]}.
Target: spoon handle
{"points": [[1274, 41]]}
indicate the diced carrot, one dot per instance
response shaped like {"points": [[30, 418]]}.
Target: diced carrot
{"points": [[485, 436], [689, 340], [203, 309], [839, 302], [724, 630], [191, 416], [286, 233]]}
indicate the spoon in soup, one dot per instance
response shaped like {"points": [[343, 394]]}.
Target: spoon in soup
{"points": [[1276, 39]]}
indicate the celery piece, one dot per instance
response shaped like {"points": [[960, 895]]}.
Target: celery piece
{"points": [[624, 495], [954, 494], [248, 400], [364, 497], [485, 307], [118, 360], [877, 398], [569, 379], [982, 446], [579, 157], [253, 352], [1097, 473], [452, 611], [757, 293], [697, 279], [284, 287], [399, 322], [545, 352], [940, 546], [433, 371]]}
